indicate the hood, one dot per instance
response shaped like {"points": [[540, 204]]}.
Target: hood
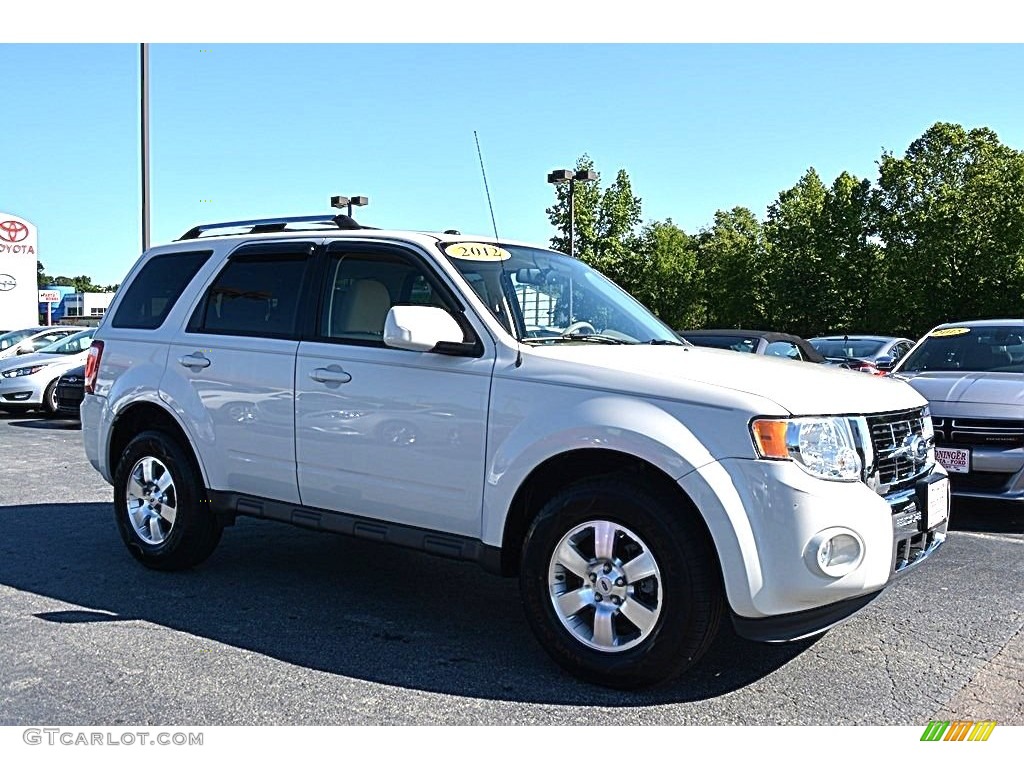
{"points": [[41, 358], [686, 372], [968, 387]]}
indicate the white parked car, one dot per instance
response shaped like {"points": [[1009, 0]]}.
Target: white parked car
{"points": [[395, 386], [30, 381], [29, 340]]}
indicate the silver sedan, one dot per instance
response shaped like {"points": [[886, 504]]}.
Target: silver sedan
{"points": [[972, 375], [30, 381]]}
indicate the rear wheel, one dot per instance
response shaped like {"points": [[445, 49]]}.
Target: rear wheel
{"points": [[160, 504], [620, 587]]}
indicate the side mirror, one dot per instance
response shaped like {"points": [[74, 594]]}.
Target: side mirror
{"points": [[25, 350], [420, 329], [885, 363]]}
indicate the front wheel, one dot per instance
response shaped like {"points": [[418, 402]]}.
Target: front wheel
{"points": [[160, 504], [50, 405], [620, 587]]}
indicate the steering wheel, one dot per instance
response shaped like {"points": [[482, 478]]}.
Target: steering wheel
{"points": [[580, 325]]}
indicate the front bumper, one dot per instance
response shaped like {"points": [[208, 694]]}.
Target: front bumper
{"points": [[23, 390], [913, 542], [765, 518]]}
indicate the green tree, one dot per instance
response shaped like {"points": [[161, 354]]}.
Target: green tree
{"points": [[951, 217], [796, 276], [616, 247], [671, 282], [43, 280], [732, 254], [852, 258]]}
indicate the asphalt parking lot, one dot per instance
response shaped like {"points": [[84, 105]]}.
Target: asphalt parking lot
{"points": [[285, 626]]}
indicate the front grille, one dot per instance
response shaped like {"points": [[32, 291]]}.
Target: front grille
{"points": [[1001, 433], [70, 397], [895, 467]]}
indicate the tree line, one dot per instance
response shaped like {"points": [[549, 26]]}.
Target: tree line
{"points": [[81, 283], [937, 237]]}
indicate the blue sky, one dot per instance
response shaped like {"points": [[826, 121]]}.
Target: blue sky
{"points": [[260, 130]]}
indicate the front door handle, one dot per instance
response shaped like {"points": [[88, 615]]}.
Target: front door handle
{"points": [[332, 375], [195, 360]]}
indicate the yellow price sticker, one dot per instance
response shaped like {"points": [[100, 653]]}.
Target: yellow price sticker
{"points": [[949, 332], [477, 252]]}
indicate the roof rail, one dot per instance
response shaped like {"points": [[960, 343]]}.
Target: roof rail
{"points": [[277, 224]]}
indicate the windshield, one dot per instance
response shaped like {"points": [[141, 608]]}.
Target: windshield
{"points": [[78, 342], [8, 340], [995, 348], [849, 347], [541, 296]]}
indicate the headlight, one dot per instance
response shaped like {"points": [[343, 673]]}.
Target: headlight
{"points": [[822, 446], [22, 371]]}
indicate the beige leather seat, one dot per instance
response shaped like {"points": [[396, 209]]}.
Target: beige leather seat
{"points": [[363, 311]]}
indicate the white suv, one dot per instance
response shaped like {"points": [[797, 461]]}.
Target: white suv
{"points": [[503, 403]]}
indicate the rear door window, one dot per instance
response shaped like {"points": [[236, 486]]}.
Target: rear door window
{"points": [[258, 293]]}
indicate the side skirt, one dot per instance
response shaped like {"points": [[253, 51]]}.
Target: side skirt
{"points": [[227, 506]]}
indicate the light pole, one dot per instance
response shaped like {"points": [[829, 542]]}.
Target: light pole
{"points": [[563, 176], [144, 126], [340, 201]]}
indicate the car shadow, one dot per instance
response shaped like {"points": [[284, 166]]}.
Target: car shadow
{"points": [[45, 422], [336, 604]]}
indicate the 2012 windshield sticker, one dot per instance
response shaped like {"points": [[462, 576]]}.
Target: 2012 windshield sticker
{"points": [[949, 332], [477, 252]]}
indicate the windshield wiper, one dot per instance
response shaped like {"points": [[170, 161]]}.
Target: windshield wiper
{"points": [[665, 342], [598, 338]]}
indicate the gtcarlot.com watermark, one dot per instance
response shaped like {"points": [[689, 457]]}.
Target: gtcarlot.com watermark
{"points": [[72, 737]]}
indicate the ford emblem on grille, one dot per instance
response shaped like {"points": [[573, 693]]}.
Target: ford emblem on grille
{"points": [[914, 448]]}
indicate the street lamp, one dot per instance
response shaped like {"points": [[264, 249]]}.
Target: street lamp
{"points": [[340, 201], [564, 176]]}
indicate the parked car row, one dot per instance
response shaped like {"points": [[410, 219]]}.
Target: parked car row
{"points": [[30, 380]]}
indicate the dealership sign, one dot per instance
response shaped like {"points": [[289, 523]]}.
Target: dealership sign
{"points": [[19, 246]]}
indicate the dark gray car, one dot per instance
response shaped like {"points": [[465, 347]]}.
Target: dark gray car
{"points": [[972, 375], [868, 354]]}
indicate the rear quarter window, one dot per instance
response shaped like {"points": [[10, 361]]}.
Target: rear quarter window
{"points": [[156, 288]]}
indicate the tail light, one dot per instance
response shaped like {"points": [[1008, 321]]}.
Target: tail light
{"points": [[92, 366]]}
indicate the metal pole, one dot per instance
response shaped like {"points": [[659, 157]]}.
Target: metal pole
{"points": [[144, 84], [572, 217]]}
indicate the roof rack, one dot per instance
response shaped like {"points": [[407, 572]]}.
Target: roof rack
{"points": [[277, 224]]}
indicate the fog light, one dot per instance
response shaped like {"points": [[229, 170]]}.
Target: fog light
{"points": [[835, 552]]}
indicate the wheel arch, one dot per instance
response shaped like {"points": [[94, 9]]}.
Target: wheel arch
{"points": [[140, 417], [575, 466]]}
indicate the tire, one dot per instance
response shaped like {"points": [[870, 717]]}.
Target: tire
{"points": [[167, 531], [662, 572], [49, 404]]}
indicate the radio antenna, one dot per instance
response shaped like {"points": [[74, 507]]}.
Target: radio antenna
{"points": [[487, 189], [505, 282]]}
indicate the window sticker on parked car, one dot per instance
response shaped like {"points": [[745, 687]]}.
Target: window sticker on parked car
{"points": [[949, 332], [477, 252]]}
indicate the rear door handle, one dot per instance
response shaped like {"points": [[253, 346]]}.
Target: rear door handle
{"points": [[195, 360], [332, 375]]}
